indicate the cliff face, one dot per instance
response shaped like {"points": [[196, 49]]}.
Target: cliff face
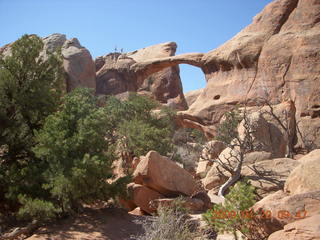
{"points": [[275, 58]]}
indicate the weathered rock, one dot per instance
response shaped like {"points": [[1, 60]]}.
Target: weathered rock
{"points": [[309, 133], [295, 207], [192, 96], [116, 74], [142, 195], [77, 61], [54, 41], [269, 175], [305, 177], [163, 175], [127, 204], [202, 195], [203, 168], [266, 137], [214, 178], [305, 229], [137, 212], [254, 157], [78, 65], [272, 58], [215, 198], [212, 149]]}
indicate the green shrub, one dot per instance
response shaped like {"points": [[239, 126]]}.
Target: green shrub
{"points": [[234, 214], [227, 129], [138, 128], [36, 209], [73, 146], [29, 91]]}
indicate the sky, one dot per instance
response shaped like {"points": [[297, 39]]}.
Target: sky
{"points": [[102, 25]]}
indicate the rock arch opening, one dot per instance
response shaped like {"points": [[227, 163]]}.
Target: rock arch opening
{"points": [[192, 77]]}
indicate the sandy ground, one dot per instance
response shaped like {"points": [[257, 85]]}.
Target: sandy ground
{"points": [[105, 223]]}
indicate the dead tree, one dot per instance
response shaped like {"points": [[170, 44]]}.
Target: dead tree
{"points": [[284, 125], [239, 146]]}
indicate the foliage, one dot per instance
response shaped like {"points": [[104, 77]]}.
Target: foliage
{"points": [[30, 87], [172, 223], [36, 209], [56, 153], [77, 157], [227, 130], [139, 128], [234, 214]]}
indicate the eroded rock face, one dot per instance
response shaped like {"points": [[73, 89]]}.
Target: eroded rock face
{"points": [[273, 58], [267, 176], [77, 61], [192, 96], [78, 64], [305, 229], [305, 177], [117, 73], [299, 205]]}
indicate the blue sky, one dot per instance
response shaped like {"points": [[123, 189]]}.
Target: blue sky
{"points": [[100, 25]]}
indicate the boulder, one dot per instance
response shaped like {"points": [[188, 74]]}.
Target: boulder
{"points": [[296, 207], [214, 177], [257, 156], [78, 64], [127, 204], [309, 133], [163, 175], [203, 168], [266, 136], [304, 229], [202, 195], [137, 212], [142, 195], [212, 149], [215, 198], [305, 177]]}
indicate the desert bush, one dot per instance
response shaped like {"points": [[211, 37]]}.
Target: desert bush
{"points": [[172, 223], [234, 214]]}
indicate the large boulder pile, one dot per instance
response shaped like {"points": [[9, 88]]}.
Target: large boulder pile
{"points": [[295, 208], [157, 181], [266, 166]]}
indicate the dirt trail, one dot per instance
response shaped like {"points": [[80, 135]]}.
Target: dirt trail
{"points": [[98, 224]]}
